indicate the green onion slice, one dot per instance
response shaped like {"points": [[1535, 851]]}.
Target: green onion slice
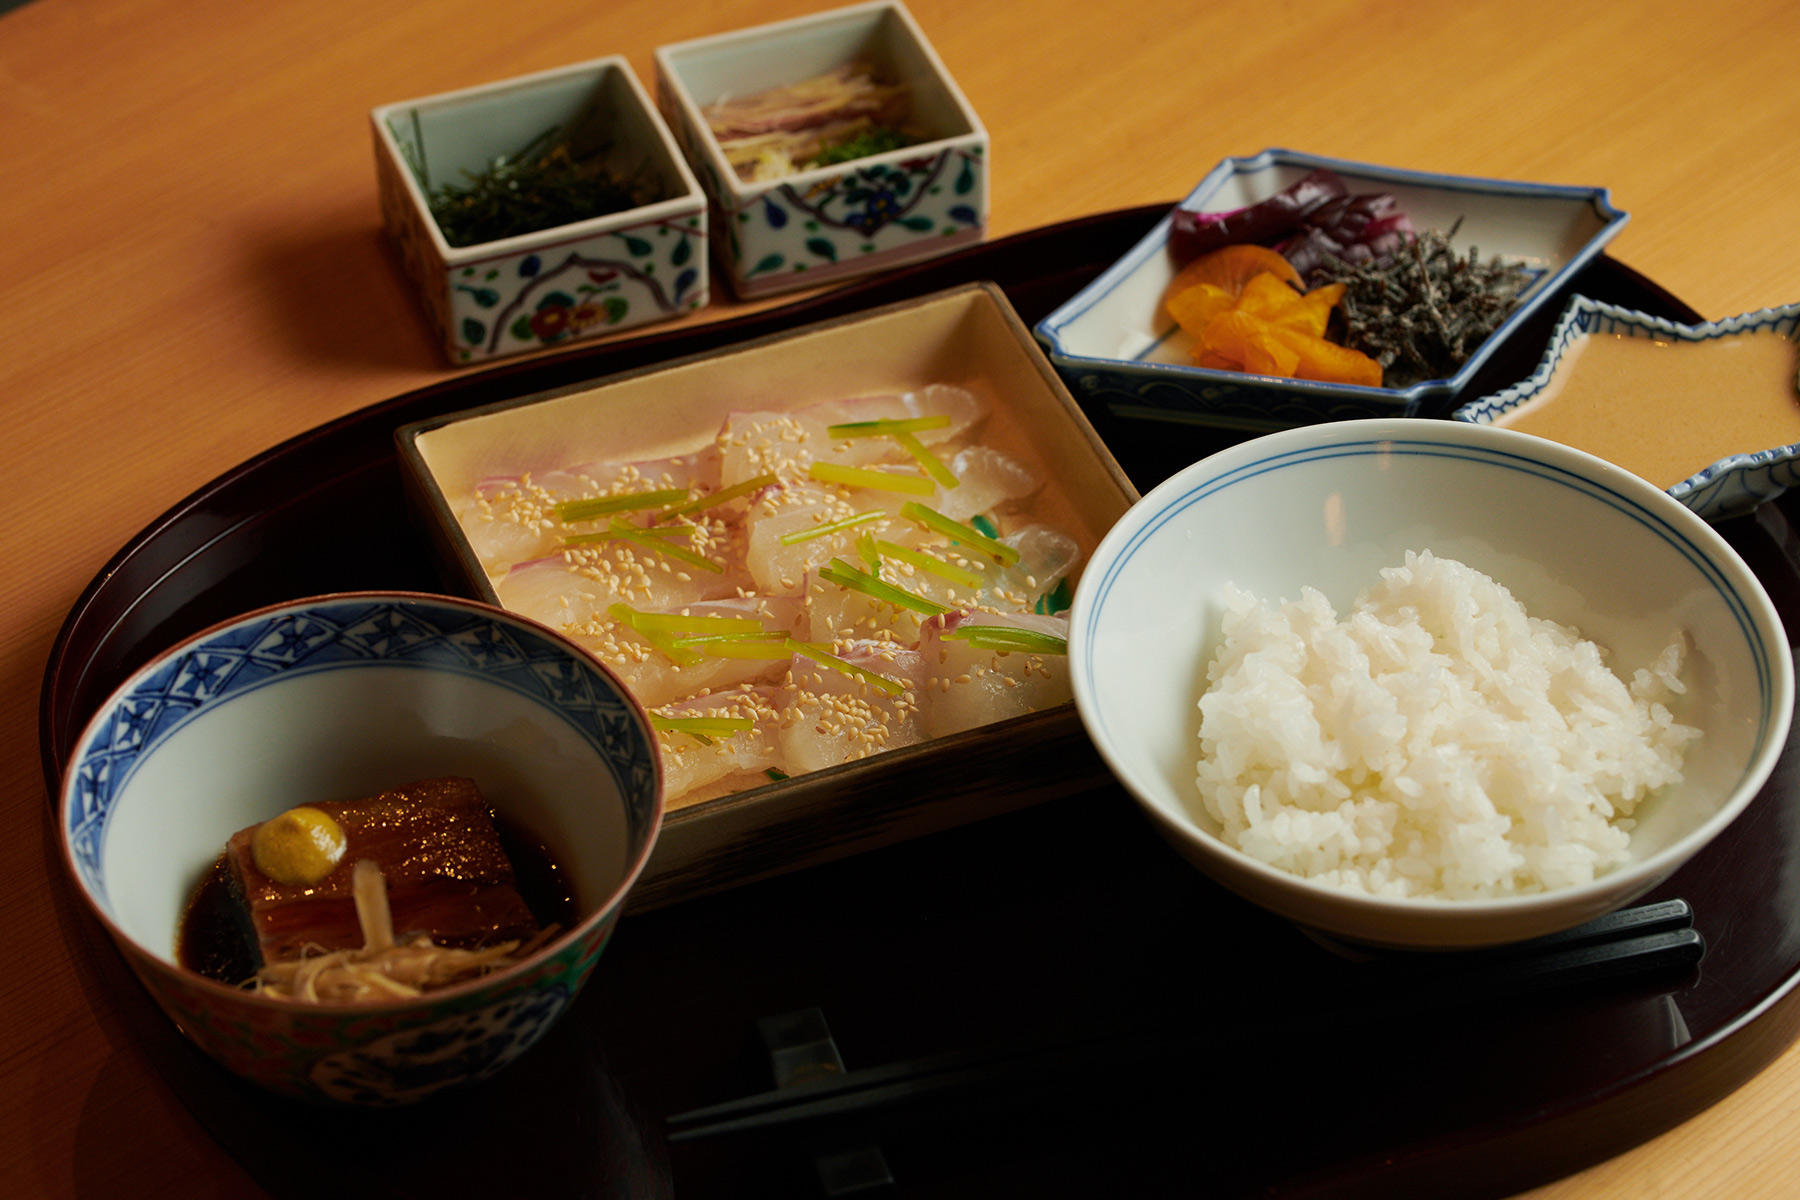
{"points": [[928, 462], [764, 643], [741, 488], [818, 531], [658, 539], [932, 519], [659, 622], [930, 563], [844, 575], [869, 477], [869, 549], [600, 506], [1009, 637], [824, 657], [702, 726], [889, 425]]}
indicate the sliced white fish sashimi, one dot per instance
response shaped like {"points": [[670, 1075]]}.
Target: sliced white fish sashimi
{"points": [[810, 601], [792, 510], [510, 519], [660, 666], [987, 481], [966, 684], [771, 443], [958, 407], [576, 586], [832, 716], [693, 762]]}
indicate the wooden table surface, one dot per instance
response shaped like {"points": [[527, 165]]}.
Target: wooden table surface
{"points": [[197, 273]]}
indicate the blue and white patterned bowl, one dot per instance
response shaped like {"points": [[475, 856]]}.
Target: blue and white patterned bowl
{"points": [[546, 287], [1577, 540], [338, 697], [1730, 487], [827, 224], [1114, 345]]}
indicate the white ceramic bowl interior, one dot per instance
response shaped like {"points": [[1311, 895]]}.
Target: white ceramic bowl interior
{"points": [[1115, 344], [1576, 540], [1730, 487]]}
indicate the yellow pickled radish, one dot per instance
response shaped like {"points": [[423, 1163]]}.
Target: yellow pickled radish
{"points": [[299, 847]]}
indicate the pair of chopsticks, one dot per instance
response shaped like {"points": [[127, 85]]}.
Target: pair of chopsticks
{"points": [[1652, 939]]}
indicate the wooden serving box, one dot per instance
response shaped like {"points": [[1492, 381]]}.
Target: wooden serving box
{"points": [[969, 336]]}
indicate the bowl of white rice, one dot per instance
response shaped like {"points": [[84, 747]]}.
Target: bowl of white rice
{"points": [[1426, 684]]}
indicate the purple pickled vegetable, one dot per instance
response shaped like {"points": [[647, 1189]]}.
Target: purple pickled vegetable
{"points": [[1306, 221], [1266, 222], [1355, 229]]}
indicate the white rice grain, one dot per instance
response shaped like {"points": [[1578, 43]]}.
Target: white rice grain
{"points": [[1437, 740]]}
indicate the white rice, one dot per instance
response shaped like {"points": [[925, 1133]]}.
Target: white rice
{"points": [[1435, 741]]}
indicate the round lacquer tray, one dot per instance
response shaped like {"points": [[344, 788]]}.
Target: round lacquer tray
{"points": [[1071, 1009]]}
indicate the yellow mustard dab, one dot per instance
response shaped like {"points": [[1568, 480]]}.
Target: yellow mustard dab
{"points": [[299, 847]]}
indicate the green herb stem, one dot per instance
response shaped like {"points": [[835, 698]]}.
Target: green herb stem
{"points": [[869, 477], [951, 528], [1005, 638], [886, 426], [829, 527], [601, 506], [930, 463], [825, 658], [930, 563], [844, 575]]}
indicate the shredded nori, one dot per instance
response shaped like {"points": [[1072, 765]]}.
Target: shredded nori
{"points": [[1423, 311], [543, 185]]}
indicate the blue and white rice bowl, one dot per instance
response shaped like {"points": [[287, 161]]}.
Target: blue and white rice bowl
{"points": [[341, 697], [1730, 487], [1576, 540], [1115, 346]]}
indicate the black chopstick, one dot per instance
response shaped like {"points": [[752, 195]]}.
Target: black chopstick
{"points": [[1654, 938]]}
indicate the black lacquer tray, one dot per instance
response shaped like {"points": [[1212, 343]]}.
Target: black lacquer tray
{"points": [[1290, 1071]]}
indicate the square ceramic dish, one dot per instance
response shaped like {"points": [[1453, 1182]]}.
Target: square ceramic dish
{"points": [[829, 223], [968, 336], [1115, 346], [1734, 484], [548, 286]]}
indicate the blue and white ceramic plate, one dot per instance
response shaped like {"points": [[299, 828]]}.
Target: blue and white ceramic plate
{"points": [[1113, 344], [1730, 487]]}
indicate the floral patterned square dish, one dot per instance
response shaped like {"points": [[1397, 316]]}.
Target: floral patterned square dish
{"points": [[612, 233], [831, 146]]}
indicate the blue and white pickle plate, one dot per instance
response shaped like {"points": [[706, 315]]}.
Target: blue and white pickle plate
{"points": [[1734, 485], [550, 286], [1114, 345]]}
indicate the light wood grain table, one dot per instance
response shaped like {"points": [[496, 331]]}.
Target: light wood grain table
{"points": [[193, 272]]}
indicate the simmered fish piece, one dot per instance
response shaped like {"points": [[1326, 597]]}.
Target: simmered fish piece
{"points": [[447, 875]]}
